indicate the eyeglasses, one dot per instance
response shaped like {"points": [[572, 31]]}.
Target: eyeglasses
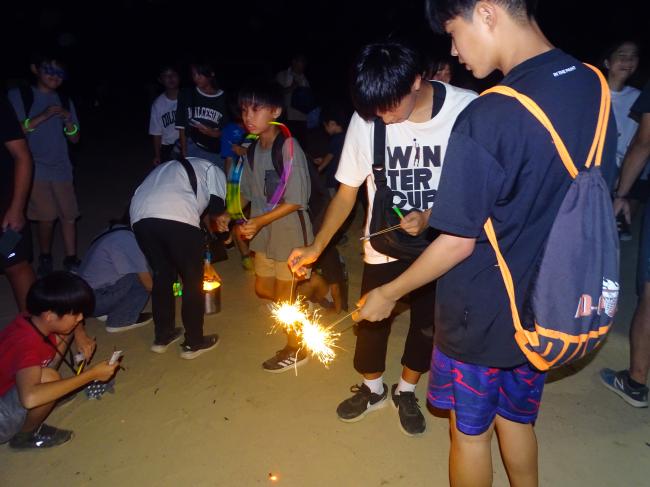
{"points": [[51, 70]]}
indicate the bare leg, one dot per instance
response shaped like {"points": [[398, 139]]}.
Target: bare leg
{"points": [[45, 231], [69, 232], [336, 297], [242, 245], [37, 415], [518, 445], [470, 458], [21, 276], [265, 287], [410, 376], [283, 293], [640, 338]]}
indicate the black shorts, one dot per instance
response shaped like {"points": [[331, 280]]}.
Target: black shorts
{"points": [[22, 252]]}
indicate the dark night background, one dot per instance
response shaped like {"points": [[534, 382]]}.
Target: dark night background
{"points": [[113, 48]]}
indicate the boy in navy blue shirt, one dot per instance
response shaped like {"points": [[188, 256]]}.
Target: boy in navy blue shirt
{"points": [[500, 163]]}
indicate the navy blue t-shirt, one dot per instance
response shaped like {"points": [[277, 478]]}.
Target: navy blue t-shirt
{"points": [[501, 163], [642, 103], [334, 147]]}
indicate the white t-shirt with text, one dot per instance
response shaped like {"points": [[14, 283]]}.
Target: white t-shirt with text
{"points": [[163, 119], [414, 156]]}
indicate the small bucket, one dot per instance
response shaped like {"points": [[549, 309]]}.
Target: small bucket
{"points": [[212, 301]]}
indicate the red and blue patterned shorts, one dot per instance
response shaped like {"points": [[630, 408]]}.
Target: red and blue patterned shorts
{"points": [[478, 393]]}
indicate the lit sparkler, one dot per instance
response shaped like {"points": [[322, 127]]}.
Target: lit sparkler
{"points": [[320, 341]]}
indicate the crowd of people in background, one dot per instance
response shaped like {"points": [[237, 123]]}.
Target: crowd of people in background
{"points": [[440, 142]]}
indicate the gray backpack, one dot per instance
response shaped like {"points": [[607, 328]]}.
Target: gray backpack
{"points": [[575, 294]]}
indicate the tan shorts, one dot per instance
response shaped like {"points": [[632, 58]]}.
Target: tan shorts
{"points": [[50, 200], [265, 267]]}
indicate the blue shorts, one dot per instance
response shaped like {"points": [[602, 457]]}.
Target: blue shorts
{"points": [[478, 393]]}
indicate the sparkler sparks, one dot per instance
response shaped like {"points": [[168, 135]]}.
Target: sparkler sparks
{"points": [[320, 341]]}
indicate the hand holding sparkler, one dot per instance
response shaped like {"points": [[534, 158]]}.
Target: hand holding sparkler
{"points": [[374, 306], [415, 222], [301, 257]]}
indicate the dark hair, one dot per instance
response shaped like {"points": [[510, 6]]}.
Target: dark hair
{"points": [[168, 67], [612, 48], [439, 12], [204, 68], [334, 112], [124, 219], [62, 293], [41, 57], [261, 93], [382, 76]]}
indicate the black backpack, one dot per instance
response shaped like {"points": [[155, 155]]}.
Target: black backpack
{"points": [[319, 196]]}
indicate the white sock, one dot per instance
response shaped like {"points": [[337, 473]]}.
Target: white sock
{"points": [[375, 385], [405, 386]]}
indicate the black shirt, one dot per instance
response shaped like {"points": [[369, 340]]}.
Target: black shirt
{"points": [[501, 163], [9, 130], [642, 103], [209, 110]]}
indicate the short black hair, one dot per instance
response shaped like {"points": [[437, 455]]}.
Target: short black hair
{"points": [[167, 67], [204, 68], [47, 56], [62, 293], [382, 76], [334, 112], [261, 92], [439, 12]]}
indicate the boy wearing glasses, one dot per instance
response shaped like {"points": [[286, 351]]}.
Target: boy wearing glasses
{"points": [[49, 121]]}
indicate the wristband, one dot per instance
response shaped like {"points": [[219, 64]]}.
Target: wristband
{"points": [[72, 132], [26, 125], [616, 195]]}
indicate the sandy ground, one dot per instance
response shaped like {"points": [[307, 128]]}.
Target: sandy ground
{"points": [[220, 420]]}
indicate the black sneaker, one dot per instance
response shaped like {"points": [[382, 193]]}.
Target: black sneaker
{"points": [[143, 319], [411, 420], [71, 264], [45, 265], [44, 436], [209, 342], [285, 359], [161, 346], [364, 401], [619, 382]]}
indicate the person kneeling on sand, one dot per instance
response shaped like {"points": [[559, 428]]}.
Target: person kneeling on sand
{"points": [[117, 271], [31, 349]]}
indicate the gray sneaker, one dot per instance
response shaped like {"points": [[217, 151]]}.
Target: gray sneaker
{"points": [[411, 420], [361, 403], [619, 382]]}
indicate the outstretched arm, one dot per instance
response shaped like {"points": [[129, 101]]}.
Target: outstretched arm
{"points": [[444, 253], [337, 211]]}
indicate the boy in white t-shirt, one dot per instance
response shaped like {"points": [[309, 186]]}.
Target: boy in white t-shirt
{"points": [[162, 123], [419, 115]]}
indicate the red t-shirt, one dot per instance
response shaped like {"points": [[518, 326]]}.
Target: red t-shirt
{"points": [[21, 346]]}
